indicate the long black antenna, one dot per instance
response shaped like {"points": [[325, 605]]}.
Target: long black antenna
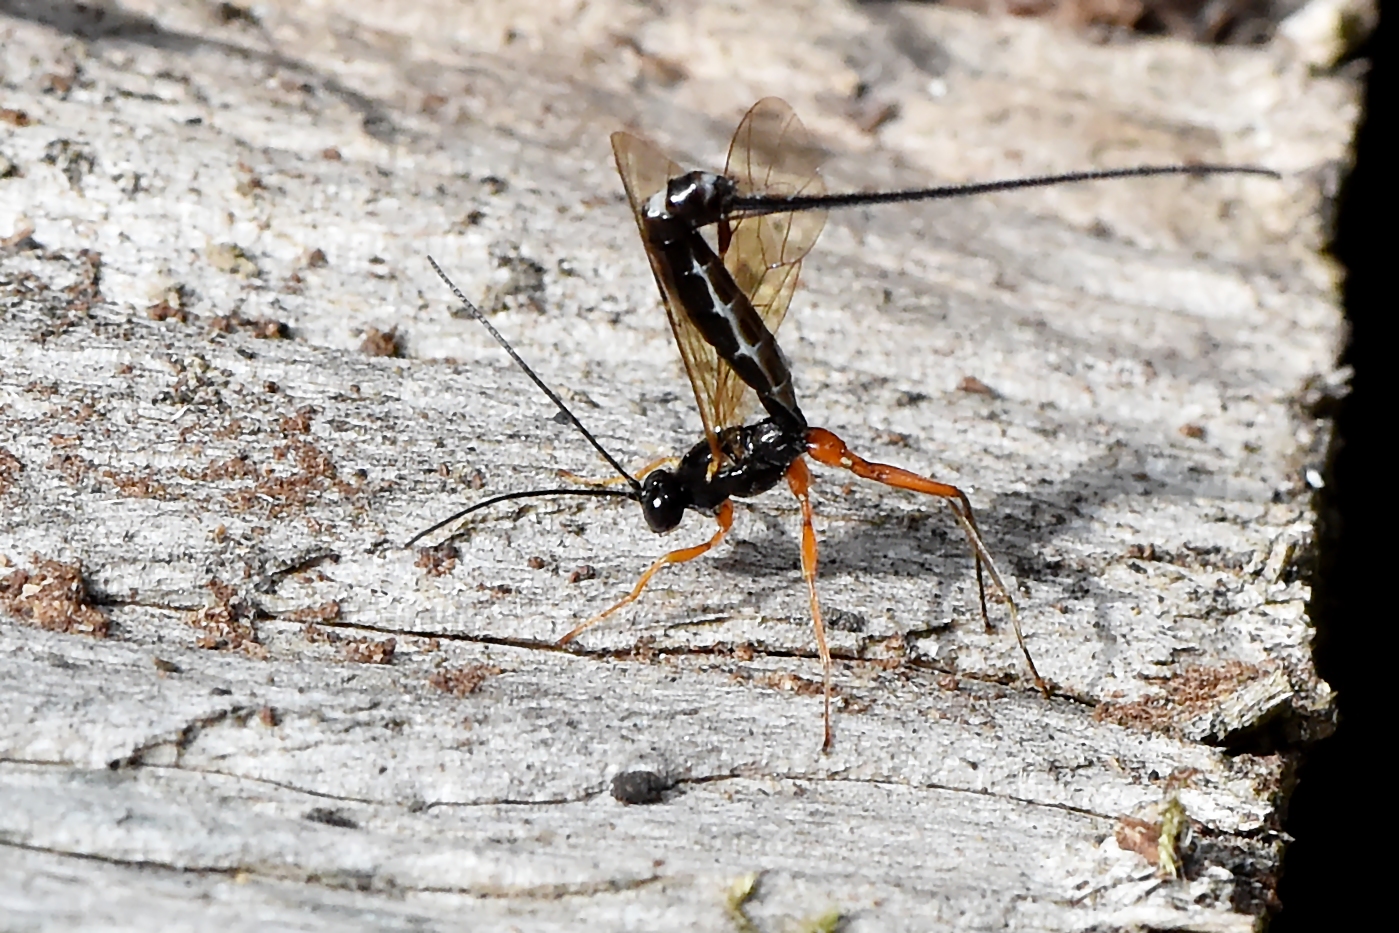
{"points": [[759, 205], [506, 497], [553, 396]]}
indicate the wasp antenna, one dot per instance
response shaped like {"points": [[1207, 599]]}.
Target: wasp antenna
{"points": [[526, 494], [553, 396], [760, 205]]}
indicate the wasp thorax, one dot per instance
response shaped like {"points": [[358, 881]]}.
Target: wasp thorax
{"points": [[698, 197]]}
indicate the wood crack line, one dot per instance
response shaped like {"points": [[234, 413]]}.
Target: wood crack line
{"points": [[836, 779], [625, 654], [527, 644], [363, 881], [584, 796]]}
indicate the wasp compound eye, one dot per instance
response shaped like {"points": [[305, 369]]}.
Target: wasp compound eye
{"points": [[663, 501]]}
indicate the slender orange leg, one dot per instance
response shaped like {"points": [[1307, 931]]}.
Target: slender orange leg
{"points": [[826, 448], [799, 479], [617, 480], [725, 517]]}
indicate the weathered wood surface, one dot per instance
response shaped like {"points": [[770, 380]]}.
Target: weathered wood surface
{"points": [[1153, 349]]}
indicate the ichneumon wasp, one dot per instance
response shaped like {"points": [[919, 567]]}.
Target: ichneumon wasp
{"points": [[725, 303]]}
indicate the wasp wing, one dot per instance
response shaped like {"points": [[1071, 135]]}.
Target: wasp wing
{"points": [[646, 170], [772, 154]]}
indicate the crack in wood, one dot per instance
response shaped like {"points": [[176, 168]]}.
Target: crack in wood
{"points": [[364, 881]]}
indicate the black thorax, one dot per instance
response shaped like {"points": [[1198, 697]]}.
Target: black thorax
{"points": [[756, 457]]}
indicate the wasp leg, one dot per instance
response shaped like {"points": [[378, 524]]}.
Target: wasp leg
{"points": [[826, 448], [651, 467], [724, 516], [799, 479]]}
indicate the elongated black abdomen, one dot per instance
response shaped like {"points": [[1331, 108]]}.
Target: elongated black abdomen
{"points": [[723, 315]]}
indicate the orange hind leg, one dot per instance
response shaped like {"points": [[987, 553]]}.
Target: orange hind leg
{"points": [[799, 479], [826, 448]]}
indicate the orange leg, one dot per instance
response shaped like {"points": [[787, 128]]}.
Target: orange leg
{"points": [[826, 448], [799, 479], [651, 467], [725, 517]]}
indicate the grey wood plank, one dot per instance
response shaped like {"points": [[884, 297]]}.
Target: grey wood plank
{"points": [[1152, 354]]}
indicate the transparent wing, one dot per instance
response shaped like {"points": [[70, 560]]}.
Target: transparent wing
{"points": [[772, 154], [646, 170]]}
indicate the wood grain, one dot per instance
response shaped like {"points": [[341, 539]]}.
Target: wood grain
{"points": [[296, 722]]}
